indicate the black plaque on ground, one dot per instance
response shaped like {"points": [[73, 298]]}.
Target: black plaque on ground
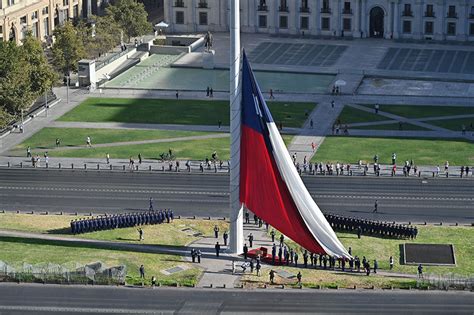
{"points": [[429, 254]]}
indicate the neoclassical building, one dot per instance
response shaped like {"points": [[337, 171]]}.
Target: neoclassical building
{"points": [[40, 16], [411, 19]]}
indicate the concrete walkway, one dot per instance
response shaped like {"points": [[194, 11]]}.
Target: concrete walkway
{"points": [[126, 143], [323, 118], [134, 126]]}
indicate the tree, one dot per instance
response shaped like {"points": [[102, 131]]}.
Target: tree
{"points": [[68, 48], [102, 37], [15, 86], [131, 16], [4, 118], [42, 76]]}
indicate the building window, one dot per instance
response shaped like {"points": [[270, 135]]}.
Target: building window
{"points": [[179, 4], [471, 29], [428, 27], [34, 29], [452, 12], [347, 8], [262, 6], [202, 4], [325, 8], [304, 23], [46, 26], [262, 21], [429, 11], [23, 20], [304, 6], [325, 23], [283, 21], [10, 2], [451, 28], [407, 10], [202, 18], [1, 32], [65, 2], [179, 17], [347, 25], [75, 11], [34, 15], [45, 11], [407, 27], [471, 15]]}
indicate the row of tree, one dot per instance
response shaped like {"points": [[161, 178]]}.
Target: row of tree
{"points": [[125, 18], [25, 73]]}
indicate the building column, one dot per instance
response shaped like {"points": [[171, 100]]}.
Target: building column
{"points": [[364, 19], [317, 17], [396, 19], [388, 22], [272, 16], [461, 29], [293, 16], [356, 19], [336, 18], [440, 28], [418, 16], [312, 17]]}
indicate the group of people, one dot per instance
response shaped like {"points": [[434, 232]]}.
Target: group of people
{"points": [[369, 227], [109, 222]]}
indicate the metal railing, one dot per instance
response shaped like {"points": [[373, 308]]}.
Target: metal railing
{"points": [[70, 273], [114, 56]]}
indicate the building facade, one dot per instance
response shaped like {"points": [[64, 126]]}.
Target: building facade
{"points": [[390, 19], [38, 16]]}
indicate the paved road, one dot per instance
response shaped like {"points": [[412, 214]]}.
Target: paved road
{"points": [[400, 199], [50, 299]]}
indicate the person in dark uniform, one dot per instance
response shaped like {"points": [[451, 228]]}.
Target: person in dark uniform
{"points": [[376, 206], [216, 231], [305, 258], [250, 240], [273, 253], [272, 234], [218, 249], [142, 272], [226, 237], [282, 239], [247, 217], [296, 259], [199, 254], [272, 276], [298, 276], [246, 251], [280, 254]]}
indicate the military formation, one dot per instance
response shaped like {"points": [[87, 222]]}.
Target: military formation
{"points": [[109, 222], [372, 228]]}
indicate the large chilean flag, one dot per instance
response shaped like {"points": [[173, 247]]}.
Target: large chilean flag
{"points": [[269, 183]]}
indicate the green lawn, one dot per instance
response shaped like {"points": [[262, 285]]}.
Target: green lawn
{"points": [[412, 111], [350, 115], [393, 126], [186, 112], [422, 151], [454, 124], [183, 150], [46, 137], [16, 251], [164, 234]]}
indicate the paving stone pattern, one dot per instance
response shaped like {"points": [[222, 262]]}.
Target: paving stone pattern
{"points": [[297, 54], [428, 60]]}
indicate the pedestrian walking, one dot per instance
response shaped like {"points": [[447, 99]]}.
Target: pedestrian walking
{"points": [[311, 123], [207, 91], [271, 94], [142, 272], [211, 92], [193, 255], [199, 254], [140, 234], [58, 142], [376, 265], [420, 271], [258, 267], [216, 231], [298, 276], [391, 262], [151, 204], [107, 158], [139, 158], [177, 95], [88, 142], [376, 206], [219, 124], [272, 276]]}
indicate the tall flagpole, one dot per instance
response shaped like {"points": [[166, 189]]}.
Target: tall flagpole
{"points": [[236, 211]]}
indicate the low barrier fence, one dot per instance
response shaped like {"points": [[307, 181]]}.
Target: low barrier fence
{"points": [[70, 273]]}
